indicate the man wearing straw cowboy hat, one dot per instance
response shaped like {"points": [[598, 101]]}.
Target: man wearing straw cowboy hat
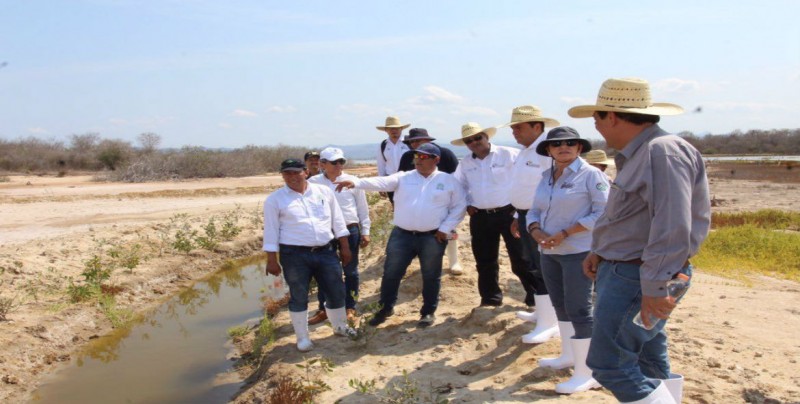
{"points": [[486, 176], [599, 159], [391, 149], [658, 214], [527, 124]]}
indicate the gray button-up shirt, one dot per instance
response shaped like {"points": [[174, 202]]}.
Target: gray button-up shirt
{"points": [[658, 209]]}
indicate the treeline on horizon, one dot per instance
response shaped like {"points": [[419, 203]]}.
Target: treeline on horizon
{"points": [[120, 160]]}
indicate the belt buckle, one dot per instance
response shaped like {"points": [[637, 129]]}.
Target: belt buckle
{"points": [[321, 247]]}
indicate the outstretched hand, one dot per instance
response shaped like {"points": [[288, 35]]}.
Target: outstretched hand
{"points": [[340, 185]]}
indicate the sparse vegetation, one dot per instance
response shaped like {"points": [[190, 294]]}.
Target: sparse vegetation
{"points": [[209, 239], [380, 213], [238, 331], [128, 257], [406, 391], [765, 219], [265, 336]]}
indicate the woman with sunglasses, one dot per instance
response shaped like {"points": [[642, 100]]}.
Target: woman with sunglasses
{"points": [[568, 201], [353, 203]]}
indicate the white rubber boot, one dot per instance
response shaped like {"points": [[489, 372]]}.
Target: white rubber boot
{"points": [[675, 386], [567, 358], [581, 379], [300, 324], [546, 322], [338, 319], [527, 316], [452, 257], [658, 396]]}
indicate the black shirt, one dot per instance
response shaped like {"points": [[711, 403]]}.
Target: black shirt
{"points": [[447, 162]]}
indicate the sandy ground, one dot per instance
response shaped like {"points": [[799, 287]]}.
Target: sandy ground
{"points": [[732, 342]]}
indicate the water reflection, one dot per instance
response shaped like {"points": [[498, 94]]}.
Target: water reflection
{"points": [[174, 354]]}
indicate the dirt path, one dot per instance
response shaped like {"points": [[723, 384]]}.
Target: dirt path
{"points": [[728, 339]]}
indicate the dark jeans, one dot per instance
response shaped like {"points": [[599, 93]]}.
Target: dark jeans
{"points": [[530, 248], [625, 358], [570, 290], [401, 248], [300, 264], [486, 229], [350, 273]]}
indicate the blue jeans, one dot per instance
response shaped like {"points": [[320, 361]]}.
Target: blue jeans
{"points": [[625, 358], [300, 264], [530, 248], [401, 248], [570, 290], [350, 273]]}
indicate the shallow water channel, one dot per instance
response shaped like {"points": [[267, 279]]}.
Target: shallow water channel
{"points": [[176, 354]]}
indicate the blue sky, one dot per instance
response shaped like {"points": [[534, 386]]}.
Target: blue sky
{"points": [[310, 73]]}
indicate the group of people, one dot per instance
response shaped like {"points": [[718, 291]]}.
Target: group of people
{"points": [[568, 230]]}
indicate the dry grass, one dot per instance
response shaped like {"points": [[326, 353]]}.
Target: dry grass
{"points": [[765, 219], [767, 171], [169, 193]]}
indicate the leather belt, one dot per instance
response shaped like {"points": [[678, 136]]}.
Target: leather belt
{"points": [[418, 233], [635, 261], [506, 208], [318, 248]]}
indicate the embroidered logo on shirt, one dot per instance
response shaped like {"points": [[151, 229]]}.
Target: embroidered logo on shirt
{"points": [[440, 186], [601, 187], [567, 185], [530, 163]]}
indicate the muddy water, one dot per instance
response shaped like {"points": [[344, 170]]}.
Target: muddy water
{"points": [[178, 354]]}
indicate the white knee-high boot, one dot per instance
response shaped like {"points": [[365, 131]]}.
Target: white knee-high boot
{"points": [[658, 396], [546, 322], [567, 358], [338, 319], [527, 316], [452, 257], [581, 379], [300, 324], [675, 386]]}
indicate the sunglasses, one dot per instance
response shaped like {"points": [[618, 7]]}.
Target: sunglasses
{"points": [[337, 162], [473, 139], [558, 143], [420, 156]]}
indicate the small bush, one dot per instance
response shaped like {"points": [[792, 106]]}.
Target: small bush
{"points": [[117, 316], [209, 240], [126, 257], [289, 391], [238, 331], [8, 305], [183, 240]]}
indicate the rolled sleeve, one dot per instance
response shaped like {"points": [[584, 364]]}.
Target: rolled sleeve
{"points": [[338, 225], [271, 226], [670, 231], [597, 184]]}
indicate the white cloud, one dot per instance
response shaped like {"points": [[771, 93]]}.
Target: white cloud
{"points": [[38, 131], [436, 94], [279, 109], [243, 113], [675, 85]]}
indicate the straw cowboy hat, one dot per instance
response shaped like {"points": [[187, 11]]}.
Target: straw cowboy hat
{"points": [[530, 113], [470, 129], [629, 95], [393, 122], [598, 157]]}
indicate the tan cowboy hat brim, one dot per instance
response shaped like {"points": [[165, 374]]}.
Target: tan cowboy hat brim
{"points": [[490, 132], [547, 122], [659, 108], [393, 126]]}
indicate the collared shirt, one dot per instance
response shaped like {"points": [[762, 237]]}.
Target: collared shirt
{"points": [[487, 181], [389, 158], [658, 209], [353, 202], [528, 169], [578, 196], [422, 204], [306, 219]]}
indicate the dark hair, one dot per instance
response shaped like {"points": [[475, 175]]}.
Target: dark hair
{"points": [[534, 123], [636, 119]]}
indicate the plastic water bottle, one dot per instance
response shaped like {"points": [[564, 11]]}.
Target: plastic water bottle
{"points": [[676, 288]]}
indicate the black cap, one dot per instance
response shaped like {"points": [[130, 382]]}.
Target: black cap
{"points": [[292, 165], [311, 154], [562, 133], [417, 134], [429, 149]]}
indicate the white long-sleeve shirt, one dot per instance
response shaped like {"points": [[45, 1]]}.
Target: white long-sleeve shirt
{"points": [[389, 159], [352, 202], [437, 202], [488, 182], [527, 173], [308, 219]]}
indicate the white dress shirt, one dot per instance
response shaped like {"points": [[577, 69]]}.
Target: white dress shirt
{"points": [[392, 154], [422, 204], [352, 202], [488, 181], [528, 169], [306, 219]]}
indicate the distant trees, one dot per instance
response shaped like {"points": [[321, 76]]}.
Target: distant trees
{"points": [[775, 141]]}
